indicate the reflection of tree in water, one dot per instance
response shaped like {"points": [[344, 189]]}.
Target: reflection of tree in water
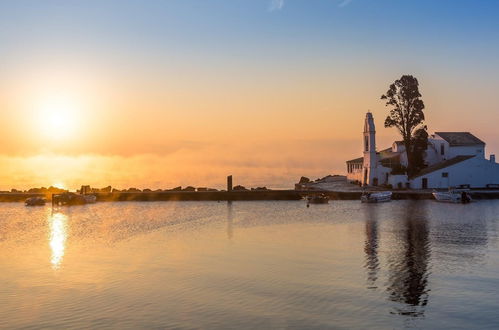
{"points": [[371, 246], [408, 264]]}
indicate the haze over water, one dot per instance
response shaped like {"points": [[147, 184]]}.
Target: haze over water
{"points": [[404, 264]]}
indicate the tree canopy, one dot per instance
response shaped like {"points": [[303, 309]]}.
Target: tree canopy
{"points": [[406, 114]]}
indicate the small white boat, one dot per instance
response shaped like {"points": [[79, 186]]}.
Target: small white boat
{"points": [[453, 196], [35, 201], [376, 197]]}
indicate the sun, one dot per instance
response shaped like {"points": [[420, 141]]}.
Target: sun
{"points": [[58, 118]]}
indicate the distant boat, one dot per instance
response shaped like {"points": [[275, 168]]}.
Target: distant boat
{"points": [[318, 199], [90, 198], [35, 201], [453, 196], [376, 197], [69, 198]]}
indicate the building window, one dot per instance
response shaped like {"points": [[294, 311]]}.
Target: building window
{"points": [[445, 174], [366, 142], [442, 149]]}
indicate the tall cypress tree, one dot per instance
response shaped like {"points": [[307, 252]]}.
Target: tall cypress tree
{"points": [[406, 114]]}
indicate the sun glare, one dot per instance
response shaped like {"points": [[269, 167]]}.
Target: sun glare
{"points": [[57, 238], [58, 118], [59, 185]]}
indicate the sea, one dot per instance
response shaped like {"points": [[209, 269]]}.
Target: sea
{"points": [[250, 265]]}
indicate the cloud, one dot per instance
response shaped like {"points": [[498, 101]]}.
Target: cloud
{"points": [[276, 5]]}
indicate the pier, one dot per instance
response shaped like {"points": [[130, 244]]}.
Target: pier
{"points": [[268, 195]]}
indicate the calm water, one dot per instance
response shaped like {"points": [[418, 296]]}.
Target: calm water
{"points": [[250, 265]]}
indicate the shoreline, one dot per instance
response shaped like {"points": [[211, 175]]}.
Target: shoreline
{"points": [[269, 195]]}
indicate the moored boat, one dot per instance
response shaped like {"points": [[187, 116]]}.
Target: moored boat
{"points": [[69, 198], [376, 197], [35, 201], [318, 199], [453, 196]]}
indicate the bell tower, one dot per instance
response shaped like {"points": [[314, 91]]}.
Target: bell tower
{"points": [[370, 158]]}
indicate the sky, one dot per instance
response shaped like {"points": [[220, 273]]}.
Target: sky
{"points": [[158, 94]]}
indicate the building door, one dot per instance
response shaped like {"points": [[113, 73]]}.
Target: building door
{"points": [[375, 181], [365, 176], [424, 183]]}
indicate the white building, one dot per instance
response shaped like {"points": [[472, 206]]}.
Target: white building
{"points": [[452, 159]]}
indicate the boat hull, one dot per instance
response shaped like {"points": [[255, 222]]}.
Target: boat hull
{"points": [[381, 197], [449, 197], [35, 201], [72, 199], [318, 199]]}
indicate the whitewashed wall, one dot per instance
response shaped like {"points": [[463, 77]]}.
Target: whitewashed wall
{"points": [[452, 151], [437, 143], [381, 174], [394, 180], [432, 155], [466, 151], [356, 175], [476, 172]]}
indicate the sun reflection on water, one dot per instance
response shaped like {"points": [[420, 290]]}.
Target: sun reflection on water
{"points": [[57, 237]]}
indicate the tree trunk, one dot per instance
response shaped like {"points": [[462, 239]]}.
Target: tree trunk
{"points": [[410, 158]]}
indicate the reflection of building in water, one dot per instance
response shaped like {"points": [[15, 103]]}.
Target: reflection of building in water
{"points": [[371, 245], [408, 262], [57, 237], [230, 219]]}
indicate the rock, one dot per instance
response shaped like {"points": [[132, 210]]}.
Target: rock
{"points": [[107, 189], [303, 180], [260, 189]]}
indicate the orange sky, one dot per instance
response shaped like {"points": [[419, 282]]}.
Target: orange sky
{"points": [[148, 135], [266, 103]]}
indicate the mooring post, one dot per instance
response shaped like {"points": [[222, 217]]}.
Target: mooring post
{"points": [[229, 188]]}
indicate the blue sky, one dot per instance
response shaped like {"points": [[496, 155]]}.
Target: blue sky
{"points": [[244, 23], [299, 73]]}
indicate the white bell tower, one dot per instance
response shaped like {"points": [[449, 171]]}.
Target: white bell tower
{"points": [[369, 175]]}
